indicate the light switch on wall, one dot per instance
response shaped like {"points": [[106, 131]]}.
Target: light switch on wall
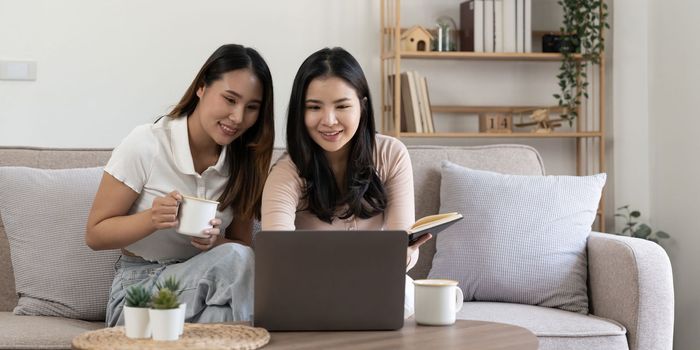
{"points": [[17, 70]]}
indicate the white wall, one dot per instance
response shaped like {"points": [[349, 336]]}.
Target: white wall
{"points": [[107, 66], [630, 103], [655, 96], [674, 76]]}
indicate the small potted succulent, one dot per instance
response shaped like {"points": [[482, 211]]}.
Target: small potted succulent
{"points": [[174, 285], [165, 315], [136, 315]]}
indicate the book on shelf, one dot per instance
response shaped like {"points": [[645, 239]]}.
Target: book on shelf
{"points": [[496, 25], [416, 115], [519, 26], [509, 26], [412, 99], [432, 224], [488, 26], [527, 25], [466, 24], [390, 91], [416, 80], [426, 116], [478, 25]]}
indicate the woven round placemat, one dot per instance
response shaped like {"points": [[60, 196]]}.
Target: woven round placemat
{"points": [[195, 336]]}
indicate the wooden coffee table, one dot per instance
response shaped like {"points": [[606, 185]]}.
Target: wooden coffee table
{"points": [[464, 334]]}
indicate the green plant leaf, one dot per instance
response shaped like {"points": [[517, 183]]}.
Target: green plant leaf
{"points": [[635, 214], [643, 231], [662, 234]]}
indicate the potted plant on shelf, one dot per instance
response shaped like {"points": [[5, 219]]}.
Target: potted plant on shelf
{"points": [[136, 315], [174, 285], [165, 315], [582, 30]]}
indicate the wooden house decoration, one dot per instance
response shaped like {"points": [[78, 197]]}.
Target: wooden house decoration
{"points": [[416, 38]]}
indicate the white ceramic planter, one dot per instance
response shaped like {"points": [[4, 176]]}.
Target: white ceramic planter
{"points": [[181, 322], [137, 322], [165, 324]]}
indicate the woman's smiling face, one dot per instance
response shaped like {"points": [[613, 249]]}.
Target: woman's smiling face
{"points": [[332, 113], [229, 106]]}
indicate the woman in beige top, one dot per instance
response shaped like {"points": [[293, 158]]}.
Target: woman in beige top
{"points": [[338, 173]]}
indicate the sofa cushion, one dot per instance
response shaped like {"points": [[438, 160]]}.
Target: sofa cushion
{"points": [[41, 332], [523, 238], [45, 212], [556, 329], [426, 162], [8, 297]]}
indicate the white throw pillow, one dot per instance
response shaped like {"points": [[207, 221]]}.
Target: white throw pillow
{"points": [[45, 214], [523, 238]]}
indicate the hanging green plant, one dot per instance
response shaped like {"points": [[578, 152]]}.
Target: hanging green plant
{"points": [[583, 25]]}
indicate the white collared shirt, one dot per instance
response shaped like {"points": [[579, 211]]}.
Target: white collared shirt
{"points": [[154, 160]]}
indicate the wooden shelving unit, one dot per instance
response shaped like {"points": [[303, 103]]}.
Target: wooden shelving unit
{"points": [[590, 142], [514, 135], [479, 56]]}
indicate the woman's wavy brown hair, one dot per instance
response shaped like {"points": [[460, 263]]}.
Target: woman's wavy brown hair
{"points": [[248, 156]]}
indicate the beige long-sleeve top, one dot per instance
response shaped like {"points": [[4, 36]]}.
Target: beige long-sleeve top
{"points": [[283, 206]]}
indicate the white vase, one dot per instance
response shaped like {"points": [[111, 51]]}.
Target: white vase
{"points": [[181, 322], [165, 324], [137, 322]]}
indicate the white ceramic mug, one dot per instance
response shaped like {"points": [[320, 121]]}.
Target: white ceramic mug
{"points": [[195, 215], [437, 301]]}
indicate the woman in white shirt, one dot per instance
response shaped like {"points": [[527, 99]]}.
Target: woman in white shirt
{"points": [[215, 144]]}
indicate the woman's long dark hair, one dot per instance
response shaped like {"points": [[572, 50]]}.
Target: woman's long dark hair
{"points": [[248, 156], [365, 195]]}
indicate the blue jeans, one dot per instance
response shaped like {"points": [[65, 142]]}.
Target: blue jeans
{"points": [[217, 284]]}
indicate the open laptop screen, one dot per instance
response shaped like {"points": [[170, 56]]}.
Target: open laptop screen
{"points": [[330, 280]]}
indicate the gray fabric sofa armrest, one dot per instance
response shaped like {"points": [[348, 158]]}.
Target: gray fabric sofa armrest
{"points": [[631, 282]]}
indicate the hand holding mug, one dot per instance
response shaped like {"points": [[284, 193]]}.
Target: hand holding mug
{"points": [[164, 210], [196, 215], [211, 236]]}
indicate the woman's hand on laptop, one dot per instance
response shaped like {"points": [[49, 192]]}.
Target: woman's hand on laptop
{"points": [[209, 242], [414, 247]]}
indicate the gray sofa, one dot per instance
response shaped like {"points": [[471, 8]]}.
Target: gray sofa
{"points": [[630, 281]]}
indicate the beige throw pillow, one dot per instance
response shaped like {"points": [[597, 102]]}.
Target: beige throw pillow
{"points": [[45, 212], [522, 239]]}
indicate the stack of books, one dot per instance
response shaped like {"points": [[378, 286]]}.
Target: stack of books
{"points": [[496, 25], [416, 115]]}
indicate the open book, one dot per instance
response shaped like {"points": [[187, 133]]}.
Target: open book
{"points": [[431, 224]]}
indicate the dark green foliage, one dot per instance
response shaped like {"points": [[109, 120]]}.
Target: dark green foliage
{"points": [[583, 25], [636, 229], [164, 299], [171, 283], [137, 296]]}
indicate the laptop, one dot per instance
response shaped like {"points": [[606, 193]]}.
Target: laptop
{"points": [[329, 280]]}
